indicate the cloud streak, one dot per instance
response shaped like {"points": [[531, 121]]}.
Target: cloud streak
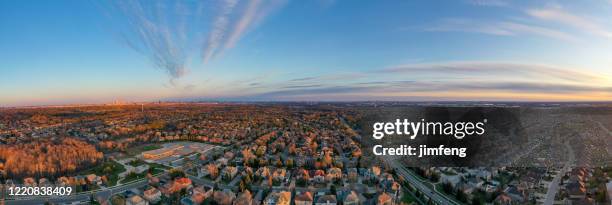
{"points": [[484, 69], [219, 30], [226, 34], [494, 3], [476, 90], [500, 28], [566, 18], [458, 79], [169, 33]]}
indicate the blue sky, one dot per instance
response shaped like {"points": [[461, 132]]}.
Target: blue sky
{"points": [[64, 52]]}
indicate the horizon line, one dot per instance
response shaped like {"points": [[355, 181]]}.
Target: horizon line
{"points": [[304, 101]]}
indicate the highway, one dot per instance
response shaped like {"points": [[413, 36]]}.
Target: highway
{"points": [[435, 196], [400, 169]]}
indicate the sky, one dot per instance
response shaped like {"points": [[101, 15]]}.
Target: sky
{"points": [[73, 51]]}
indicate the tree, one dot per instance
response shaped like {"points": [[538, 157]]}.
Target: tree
{"points": [[289, 163], [600, 194], [212, 170], [176, 173], [476, 200], [461, 196], [183, 192], [261, 150], [447, 188], [242, 186]]}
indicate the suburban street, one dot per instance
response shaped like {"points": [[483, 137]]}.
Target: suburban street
{"points": [[553, 187], [83, 196]]}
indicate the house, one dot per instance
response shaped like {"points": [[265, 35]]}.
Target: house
{"points": [[228, 155], [279, 174], [576, 190], [136, 200], [516, 194], [152, 195], [353, 174], [93, 179], [229, 172], [221, 161], [319, 176], [375, 171], [205, 190], [29, 181], [304, 198], [225, 197], [352, 199], [62, 181], [263, 172], [333, 174], [245, 198], [177, 185], [384, 199], [44, 182], [503, 199], [278, 198], [327, 200]]}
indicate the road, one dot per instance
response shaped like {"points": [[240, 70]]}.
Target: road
{"points": [[400, 169], [434, 195], [83, 196], [602, 126], [553, 187]]}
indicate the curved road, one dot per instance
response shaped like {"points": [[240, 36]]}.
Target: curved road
{"points": [[83, 196]]}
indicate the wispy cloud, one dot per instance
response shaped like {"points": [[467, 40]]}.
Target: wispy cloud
{"points": [[450, 78], [255, 12], [474, 69], [303, 79], [406, 90], [569, 19], [501, 28], [227, 32], [149, 33], [219, 30], [496, 3], [168, 32]]}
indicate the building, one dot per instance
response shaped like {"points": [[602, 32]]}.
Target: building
{"points": [[136, 200], [503, 199], [152, 195], [162, 152], [352, 199], [384, 199], [225, 197], [229, 172], [204, 191], [304, 198], [245, 198], [327, 200], [278, 198]]}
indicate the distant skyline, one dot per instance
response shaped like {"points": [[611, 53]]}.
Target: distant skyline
{"points": [[71, 52]]}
